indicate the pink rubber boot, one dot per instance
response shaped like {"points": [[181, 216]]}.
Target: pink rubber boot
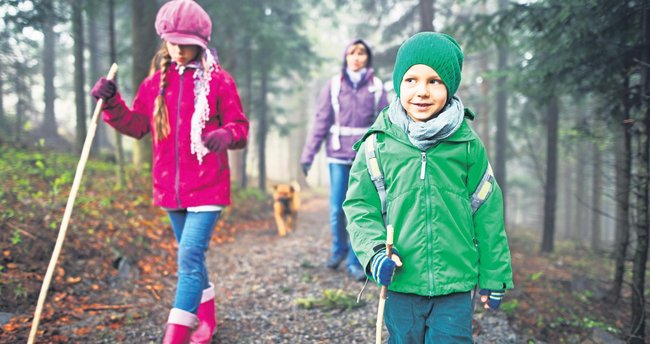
{"points": [[179, 327], [207, 318]]}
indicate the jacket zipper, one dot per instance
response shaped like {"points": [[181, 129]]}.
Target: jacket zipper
{"points": [[424, 165], [178, 124], [427, 201]]}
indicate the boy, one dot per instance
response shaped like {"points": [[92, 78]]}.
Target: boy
{"points": [[440, 196]]}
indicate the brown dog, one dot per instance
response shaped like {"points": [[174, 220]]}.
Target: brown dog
{"points": [[286, 202]]}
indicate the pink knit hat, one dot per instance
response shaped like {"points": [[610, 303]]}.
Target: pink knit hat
{"points": [[184, 22]]}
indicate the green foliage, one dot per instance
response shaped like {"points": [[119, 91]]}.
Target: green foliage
{"points": [[510, 307], [63, 180], [331, 299], [584, 323], [16, 238], [306, 264], [563, 46], [20, 292], [584, 296], [536, 276]]}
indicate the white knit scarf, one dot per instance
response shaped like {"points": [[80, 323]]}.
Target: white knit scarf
{"points": [[201, 113]]}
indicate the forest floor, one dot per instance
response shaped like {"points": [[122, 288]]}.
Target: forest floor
{"points": [[115, 277]]}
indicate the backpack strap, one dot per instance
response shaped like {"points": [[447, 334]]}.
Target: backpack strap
{"points": [[336, 129], [335, 89], [376, 175]]}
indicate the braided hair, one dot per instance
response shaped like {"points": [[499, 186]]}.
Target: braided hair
{"points": [[161, 61]]}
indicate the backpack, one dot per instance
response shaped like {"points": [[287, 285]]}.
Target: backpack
{"points": [[337, 130]]}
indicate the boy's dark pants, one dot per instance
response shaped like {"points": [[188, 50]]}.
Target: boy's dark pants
{"points": [[415, 319]]}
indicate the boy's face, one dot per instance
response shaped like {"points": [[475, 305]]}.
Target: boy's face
{"points": [[183, 54], [356, 57], [422, 93]]}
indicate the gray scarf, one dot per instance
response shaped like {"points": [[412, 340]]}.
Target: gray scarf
{"points": [[427, 134]]}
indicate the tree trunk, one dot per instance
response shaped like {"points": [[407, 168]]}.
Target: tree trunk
{"points": [[596, 199], [80, 95], [623, 172], [249, 110], [550, 189], [49, 126], [426, 15], [239, 157], [637, 334], [502, 119], [95, 67], [119, 150], [642, 229], [144, 47], [483, 116], [3, 118], [262, 129], [567, 167], [21, 90]]}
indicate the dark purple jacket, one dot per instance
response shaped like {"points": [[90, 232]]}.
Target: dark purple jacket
{"points": [[358, 110]]}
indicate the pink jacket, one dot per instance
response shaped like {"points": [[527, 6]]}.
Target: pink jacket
{"points": [[179, 181]]}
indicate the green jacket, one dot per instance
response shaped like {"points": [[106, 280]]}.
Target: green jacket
{"points": [[444, 248]]}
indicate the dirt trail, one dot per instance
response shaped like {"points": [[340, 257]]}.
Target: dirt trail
{"points": [[260, 276]]}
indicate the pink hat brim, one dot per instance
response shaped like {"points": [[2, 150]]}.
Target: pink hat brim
{"points": [[181, 39]]}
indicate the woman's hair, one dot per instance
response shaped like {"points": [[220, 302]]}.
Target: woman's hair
{"points": [[355, 47], [161, 61]]}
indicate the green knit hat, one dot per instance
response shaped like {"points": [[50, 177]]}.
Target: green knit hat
{"points": [[436, 50]]}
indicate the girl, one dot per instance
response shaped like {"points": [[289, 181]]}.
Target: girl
{"points": [[192, 108], [438, 192], [348, 104]]}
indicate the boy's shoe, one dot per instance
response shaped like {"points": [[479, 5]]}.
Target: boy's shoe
{"points": [[357, 273], [333, 262]]}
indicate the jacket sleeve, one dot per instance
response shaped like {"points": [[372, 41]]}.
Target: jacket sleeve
{"points": [[495, 267], [231, 112], [362, 209], [321, 127], [134, 123]]}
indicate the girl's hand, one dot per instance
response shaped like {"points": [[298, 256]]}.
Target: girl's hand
{"points": [[104, 89], [217, 140], [491, 298]]}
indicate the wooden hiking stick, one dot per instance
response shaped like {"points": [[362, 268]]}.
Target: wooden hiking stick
{"points": [[382, 295], [68, 211]]}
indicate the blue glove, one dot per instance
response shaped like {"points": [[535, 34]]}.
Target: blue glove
{"points": [[382, 268], [492, 297], [305, 168]]}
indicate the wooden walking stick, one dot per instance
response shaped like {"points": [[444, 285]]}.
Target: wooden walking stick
{"points": [[68, 211], [382, 295]]}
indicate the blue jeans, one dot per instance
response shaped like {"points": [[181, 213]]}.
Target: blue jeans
{"points": [[419, 319], [193, 231], [339, 175]]}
